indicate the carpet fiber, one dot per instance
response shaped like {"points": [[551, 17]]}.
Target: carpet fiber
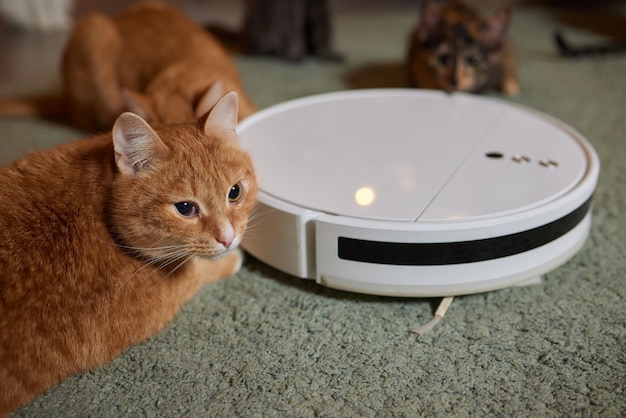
{"points": [[263, 343]]}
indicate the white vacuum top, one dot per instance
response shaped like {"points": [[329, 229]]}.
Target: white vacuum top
{"points": [[392, 158]]}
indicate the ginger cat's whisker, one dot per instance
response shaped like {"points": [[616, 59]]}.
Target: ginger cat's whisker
{"points": [[159, 262], [185, 259], [165, 247], [256, 218]]}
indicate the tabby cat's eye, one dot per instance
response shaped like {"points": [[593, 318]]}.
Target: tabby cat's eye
{"points": [[473, 60], [443, 59], [187, 209], [235, 193]]}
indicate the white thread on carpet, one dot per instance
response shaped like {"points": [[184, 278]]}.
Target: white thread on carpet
{"points": [[439, 314]]}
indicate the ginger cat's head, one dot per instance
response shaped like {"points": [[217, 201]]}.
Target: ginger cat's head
{"points": [[455, 49], [182, 190]]}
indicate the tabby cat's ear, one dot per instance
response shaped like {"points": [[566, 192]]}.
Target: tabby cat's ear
{"points": [[139, 104], [429, 19], [223, 117], [136, 144], [208, 99], [498, 23]]}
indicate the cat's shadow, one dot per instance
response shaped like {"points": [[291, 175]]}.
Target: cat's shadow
{"points": [[392, 74]]}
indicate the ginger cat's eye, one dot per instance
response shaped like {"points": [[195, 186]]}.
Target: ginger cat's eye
{"points": [[236, 193], [187, 209]]}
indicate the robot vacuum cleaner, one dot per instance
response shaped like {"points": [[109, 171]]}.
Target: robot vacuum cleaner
{"points": [[416, 193]]}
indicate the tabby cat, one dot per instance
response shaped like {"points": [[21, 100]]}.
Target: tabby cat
{"points": [[454, 48], [150, 60], [103, 240]]}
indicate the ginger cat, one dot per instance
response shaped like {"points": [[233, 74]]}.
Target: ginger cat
{"points": [[150, 60], [103, 240], [454, 48]]}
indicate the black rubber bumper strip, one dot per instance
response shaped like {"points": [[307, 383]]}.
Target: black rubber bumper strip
{"points": [[443, 253]]}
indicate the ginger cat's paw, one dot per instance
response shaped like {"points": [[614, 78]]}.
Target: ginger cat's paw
{"points": [[236, 258], [220, 268]]}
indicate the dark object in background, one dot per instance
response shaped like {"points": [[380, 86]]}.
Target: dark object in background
{"points": [[290, 29], [570, 51]]}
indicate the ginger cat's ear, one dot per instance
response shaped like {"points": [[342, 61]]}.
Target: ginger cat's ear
{"points": [[139, 104], [136, 144], [209, 98], [223, 116]]}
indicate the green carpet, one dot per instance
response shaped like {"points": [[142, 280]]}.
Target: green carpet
{"points": [[263, 343]]}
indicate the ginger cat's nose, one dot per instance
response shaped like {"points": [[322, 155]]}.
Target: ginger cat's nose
{"points": [[226, 242], [227, 236]]}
